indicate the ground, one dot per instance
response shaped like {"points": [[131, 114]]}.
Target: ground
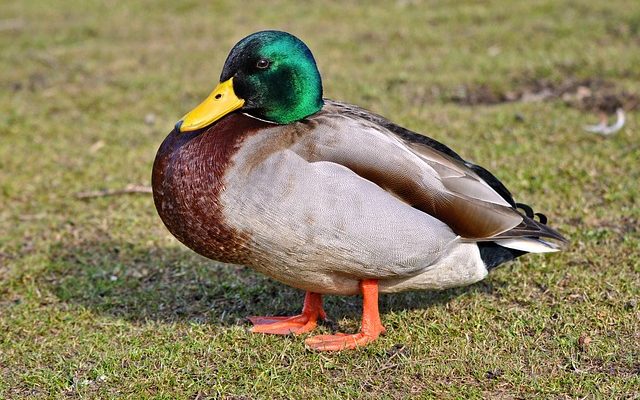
{"points": [[97, 300]]}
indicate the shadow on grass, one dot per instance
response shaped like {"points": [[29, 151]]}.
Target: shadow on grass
{"points": [[174, 284]]}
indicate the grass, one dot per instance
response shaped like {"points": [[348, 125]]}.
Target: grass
{"points": [[97, 300]]}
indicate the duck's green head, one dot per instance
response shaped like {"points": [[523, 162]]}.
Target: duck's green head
{"points": [[270, 75]]}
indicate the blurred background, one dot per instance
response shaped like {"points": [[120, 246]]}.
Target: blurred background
{"points": [[98, 300]]}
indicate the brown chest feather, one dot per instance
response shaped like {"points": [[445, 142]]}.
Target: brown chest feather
{"points": [[188, 177]]}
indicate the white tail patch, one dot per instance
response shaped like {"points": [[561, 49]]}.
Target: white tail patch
{"points": [[529, 245]]}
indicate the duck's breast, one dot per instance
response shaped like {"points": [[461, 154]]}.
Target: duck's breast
{"points": [[188, 179]]}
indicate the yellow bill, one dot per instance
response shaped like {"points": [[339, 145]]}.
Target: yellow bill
{"points": [[220, 102]]}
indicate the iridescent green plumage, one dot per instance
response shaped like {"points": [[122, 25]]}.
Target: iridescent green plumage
{"points": [[287, 90]]}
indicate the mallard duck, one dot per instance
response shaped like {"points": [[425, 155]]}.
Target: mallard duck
{"points": [[328, 197]]}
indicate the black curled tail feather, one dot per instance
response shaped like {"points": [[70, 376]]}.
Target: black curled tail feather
{"points": [[529, 213], [542, 218]]}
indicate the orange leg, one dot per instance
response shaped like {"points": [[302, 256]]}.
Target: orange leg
{"points": [[305, 322], [371, 325]]}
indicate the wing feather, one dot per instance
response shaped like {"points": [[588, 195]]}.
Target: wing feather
{"points": [[421, 172]]}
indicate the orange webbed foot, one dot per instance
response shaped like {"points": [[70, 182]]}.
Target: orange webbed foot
{"points": [[371, 325], [283, 325], [339, 341], [297, 324]]}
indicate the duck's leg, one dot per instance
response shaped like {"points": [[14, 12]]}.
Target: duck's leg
{"points": [[305, 322], [371, 325]]}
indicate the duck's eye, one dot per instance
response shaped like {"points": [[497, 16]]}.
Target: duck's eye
{"points": [[262, 63]]}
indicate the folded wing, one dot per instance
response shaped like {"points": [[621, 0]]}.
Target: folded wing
{"points": [[423, 173]]}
